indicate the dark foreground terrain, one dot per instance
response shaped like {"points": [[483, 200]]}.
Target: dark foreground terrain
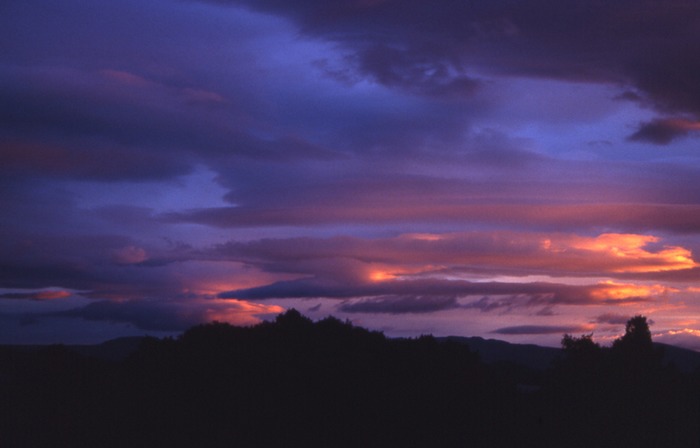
{"points": [[296, 383]]}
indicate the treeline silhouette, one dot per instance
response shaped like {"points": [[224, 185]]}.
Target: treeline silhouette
{"points": [[298, 383]]}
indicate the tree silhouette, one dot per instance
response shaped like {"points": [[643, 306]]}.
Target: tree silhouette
{"points": [[583, 359], [634, 351], [637, 337], [581, 346], [293, 319]]}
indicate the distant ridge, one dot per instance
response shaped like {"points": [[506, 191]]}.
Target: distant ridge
{"points": [[684, 359], [490, 351], [494, 351], [539, 358], [112, 350]]}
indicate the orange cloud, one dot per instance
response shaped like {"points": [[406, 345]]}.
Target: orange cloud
{"points": [[423, 236], [681, 124], [628, 252], [237, 312], [52, 294], [619, 291], [386, 272], [378, 276], [689, 331], [469, 263], [47, 294]]}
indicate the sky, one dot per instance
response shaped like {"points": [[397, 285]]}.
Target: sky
{"points": [[508, 169]]}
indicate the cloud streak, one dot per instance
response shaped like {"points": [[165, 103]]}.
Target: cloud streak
{"points": [[171, 316], [663, 131], [498, 252], [434, 294], [540, 329], [679, 218], [409, 43]]}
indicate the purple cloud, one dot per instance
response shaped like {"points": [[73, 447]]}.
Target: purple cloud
{"points": [[603, 42], [681, 218], [612, 318], [429, 292], [49, 294], [540, 329], [400, 304], [168, 316], [663, 132]]}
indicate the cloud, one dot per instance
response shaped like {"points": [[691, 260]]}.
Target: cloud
{"points": [[400, 304], [679, 218], [172, 315], [129, 255], [624, 252], [612, 318], [87, 160], [397, 296], [143, 314], [683, 337], [70, 122], [611, 292], [494, 252], [67, 260], [663, 131], [47, 294], [424, 44], [486, 304], [127, 78], [423, 273], [541, 329], [203, 96], [419, 74]]}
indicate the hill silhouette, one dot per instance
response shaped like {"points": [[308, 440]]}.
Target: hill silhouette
{"points": [[495, 351], [295, 382]]}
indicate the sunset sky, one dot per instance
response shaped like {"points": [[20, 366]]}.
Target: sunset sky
{"points": [[500, 168]]}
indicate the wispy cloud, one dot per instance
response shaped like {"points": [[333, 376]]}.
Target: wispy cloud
{"points": [[171, 315], [663, 131], [541, 329]]}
